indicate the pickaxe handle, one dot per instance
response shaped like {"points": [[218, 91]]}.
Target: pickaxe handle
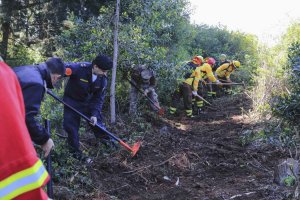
{"points": [[49, 165], [160, 110], [226, 84], [202, 99]]}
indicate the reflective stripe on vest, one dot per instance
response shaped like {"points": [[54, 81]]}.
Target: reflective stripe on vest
{"points": [[23, 181]]}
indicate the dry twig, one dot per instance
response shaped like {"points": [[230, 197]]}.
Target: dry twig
{"points": [[148, 166]]}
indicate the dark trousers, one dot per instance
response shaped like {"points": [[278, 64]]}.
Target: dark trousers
{"points": [[72, 122], [225, 88], [185, 91]]}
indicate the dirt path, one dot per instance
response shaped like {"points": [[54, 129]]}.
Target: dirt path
{"points": [[193, 159]]}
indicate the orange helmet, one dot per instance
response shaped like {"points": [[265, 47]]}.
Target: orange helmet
{"points": [[198, 60]]}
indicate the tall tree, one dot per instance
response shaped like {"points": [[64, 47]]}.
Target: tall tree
{"points": [[114, 71], [6, 10]]}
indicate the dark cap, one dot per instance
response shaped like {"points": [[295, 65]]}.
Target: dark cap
{"points": [[56, 66], [103, 62]]}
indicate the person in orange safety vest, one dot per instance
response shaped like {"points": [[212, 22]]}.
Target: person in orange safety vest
{"points": [[22, 173]]}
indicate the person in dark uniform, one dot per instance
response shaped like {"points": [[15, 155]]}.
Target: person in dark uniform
{"points": [[85, 91], [34, 79]]}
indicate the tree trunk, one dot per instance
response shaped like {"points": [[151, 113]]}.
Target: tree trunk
{"points": [[285, 170], [114, 71], [6, 8], [5, 37]]}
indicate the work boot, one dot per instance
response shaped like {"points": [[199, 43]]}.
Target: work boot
{"points": [[214, 95], [190, 116]]}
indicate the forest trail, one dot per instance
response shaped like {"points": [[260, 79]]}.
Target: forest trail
{"points": [[202, 158]]}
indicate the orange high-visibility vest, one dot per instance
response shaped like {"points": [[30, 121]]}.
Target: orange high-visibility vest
{"points": [[21, 171]]}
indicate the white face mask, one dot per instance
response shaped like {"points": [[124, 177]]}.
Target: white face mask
{"points": [[146, 81], [94, 77]]}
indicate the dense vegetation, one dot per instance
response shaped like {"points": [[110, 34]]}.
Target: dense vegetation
{"points": [[157, 33]]}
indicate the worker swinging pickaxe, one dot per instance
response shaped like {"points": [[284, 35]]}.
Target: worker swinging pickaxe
{"points": [[161, 111], [132, 149]]}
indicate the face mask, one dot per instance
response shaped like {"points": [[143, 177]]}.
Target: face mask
{"points": [[145, 81], [94, 77]]}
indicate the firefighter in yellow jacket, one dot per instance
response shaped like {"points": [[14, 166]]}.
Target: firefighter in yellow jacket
{"points": [[189, 87], [224, 71]]}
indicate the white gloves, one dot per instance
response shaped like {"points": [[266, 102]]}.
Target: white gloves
{"points": [[93, 120], [47, 147], [218, 82], [229, 80], [146, 92], [195, 93]]}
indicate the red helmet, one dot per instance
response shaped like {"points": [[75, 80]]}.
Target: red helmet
{"points": [[211, 61]]}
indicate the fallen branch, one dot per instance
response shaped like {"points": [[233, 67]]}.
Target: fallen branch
{"points": [[211, 108], [148, 166], [240, 195]]}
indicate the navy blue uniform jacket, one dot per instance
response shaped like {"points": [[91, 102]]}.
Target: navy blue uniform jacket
{"points": [[33, 80], [82, 89]]}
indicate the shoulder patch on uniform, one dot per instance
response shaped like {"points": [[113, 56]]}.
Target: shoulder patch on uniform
{"points": [[83, 80]]}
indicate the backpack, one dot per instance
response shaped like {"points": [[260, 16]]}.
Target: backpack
{"points": [[217, 65], [190, 66]]}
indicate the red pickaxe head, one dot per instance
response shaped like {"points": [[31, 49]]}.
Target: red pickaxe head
{"points": [[161, 112], [134, 149]]}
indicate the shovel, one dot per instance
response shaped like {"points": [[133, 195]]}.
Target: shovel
{"points": [[161, 111], [132, 149]]}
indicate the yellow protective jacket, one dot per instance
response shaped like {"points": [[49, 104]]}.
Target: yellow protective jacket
{"points": [[200, 73], [225, 70]]}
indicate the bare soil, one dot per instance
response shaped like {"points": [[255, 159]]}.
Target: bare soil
{"points": [[201, 158]]}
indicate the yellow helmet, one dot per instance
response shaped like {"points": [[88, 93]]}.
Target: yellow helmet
{"points": [[236, 63]]}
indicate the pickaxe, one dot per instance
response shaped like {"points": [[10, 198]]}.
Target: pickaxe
{"points": [[132, 149], [161, 111], [197, 95]]}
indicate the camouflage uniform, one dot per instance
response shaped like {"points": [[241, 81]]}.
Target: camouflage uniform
{"points": [[144, 79]]}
